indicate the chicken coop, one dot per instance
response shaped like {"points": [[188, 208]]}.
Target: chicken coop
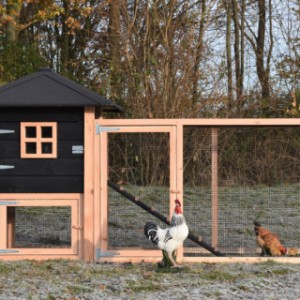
{"points": [[75, 184]]}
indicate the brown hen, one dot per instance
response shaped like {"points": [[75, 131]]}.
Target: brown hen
{"points": [[268, 241]]}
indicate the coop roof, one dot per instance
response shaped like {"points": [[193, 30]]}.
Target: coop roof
{"points": [[45, 88]]}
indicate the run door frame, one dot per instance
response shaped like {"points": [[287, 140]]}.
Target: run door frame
{"points": [[103, 127]]}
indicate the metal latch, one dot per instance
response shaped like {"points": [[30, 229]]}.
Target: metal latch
{"points": [[77, 149], [5, 167], [8, 251], [100, 253], [6, 131], [77, 227], [100, 129], [6, 203]]}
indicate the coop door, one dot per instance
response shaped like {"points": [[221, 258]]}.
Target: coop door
{"points": [[137, 162], [38, 227]]}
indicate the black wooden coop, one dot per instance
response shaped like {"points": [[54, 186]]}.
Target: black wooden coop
{"points": [[45, 122]]}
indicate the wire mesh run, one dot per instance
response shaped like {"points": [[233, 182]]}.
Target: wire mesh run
{"points": [[232, 177], [127, 220], [39, 227], [140, 163], [258, 180]]}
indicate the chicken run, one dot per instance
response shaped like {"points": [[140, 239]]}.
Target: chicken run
{"points": [[233, 176], [237, 183]]}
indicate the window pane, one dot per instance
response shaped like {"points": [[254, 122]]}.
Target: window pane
{"points": [[31, 148], [31, 132], [46, 148], [47, 132]]}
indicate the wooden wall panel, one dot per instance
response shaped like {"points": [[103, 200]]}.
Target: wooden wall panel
{"points": [[41, 184], [63, 174], [43, 167], [17, 114]]}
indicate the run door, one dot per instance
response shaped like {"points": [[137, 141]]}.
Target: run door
{"points": [[140, 160]]}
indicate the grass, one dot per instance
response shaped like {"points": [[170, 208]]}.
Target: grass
{"points": [[64, 279]]}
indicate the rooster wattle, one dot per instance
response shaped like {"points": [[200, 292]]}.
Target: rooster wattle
{"points": [[169, 239]]}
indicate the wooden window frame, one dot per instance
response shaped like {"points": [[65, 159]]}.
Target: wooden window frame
{"points": [[38, 140]]}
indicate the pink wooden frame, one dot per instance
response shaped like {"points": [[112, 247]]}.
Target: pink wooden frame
{"points": [[74, 201], [101, 159], [38, 140], [175, 127]]}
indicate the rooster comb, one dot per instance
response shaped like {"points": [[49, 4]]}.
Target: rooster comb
{"points": [[177, 202]]}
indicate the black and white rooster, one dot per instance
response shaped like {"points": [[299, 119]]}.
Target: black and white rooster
{"points": [[171, 238]]}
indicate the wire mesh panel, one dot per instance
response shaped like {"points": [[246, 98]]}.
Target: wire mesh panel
{"points": [[197, 186], [39, 227], [258, 179], [140, 163]]}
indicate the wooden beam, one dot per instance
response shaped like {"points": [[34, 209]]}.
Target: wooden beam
{"points": [[214, 187], [88, 202], [11, 214], [201, 122], [178, 171]]}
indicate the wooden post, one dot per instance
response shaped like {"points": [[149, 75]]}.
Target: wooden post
{"points": [[179, 174], [88, 202], [214, 186], [3, 227], [11, 215], [103, 192]]}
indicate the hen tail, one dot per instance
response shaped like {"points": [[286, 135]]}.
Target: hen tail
{"points": [[150, 230]]}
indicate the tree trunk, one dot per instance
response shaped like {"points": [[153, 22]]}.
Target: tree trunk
{"points": [[115, 57], [237, 51], [262, 71], [198, 54], [228, 7], [241, 87], [13, 10]]}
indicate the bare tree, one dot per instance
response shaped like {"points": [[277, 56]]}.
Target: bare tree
{"points": [[228, 7], [114, 45], [258, 43]]}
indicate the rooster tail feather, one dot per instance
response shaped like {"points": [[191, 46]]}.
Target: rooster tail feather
{"points": [[150, 230]]}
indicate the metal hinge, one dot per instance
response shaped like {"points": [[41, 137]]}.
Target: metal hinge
{"points": [[5, 203], [5, 167], [6, 131], [8, 251], [77, 149], [100, 253], [100, 129]]}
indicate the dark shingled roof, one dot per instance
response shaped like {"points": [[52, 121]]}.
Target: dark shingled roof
{"points": [[46, 88]]}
